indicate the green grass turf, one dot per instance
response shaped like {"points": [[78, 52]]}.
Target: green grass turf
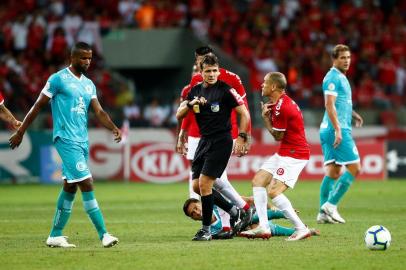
{"points": [[155, 234]]}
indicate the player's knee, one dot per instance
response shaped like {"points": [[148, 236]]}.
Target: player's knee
{"points": [[274, 192], [354, 169], [71, 188], [260, 180], [334, 172], [204, 188]]}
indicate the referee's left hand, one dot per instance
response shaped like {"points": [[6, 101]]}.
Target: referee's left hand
{"points": [[240, 148]]}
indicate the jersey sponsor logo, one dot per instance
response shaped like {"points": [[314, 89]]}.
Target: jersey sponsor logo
{"points": [[280, 171], [331, 87], [81, 166], [237, 97], [215, 107], [278, 106], [80, 108]]}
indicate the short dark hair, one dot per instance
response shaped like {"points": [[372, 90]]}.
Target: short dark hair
{"points": [[187, 203], [80, 46], [339, 48], [203, 50], [210, 59]]}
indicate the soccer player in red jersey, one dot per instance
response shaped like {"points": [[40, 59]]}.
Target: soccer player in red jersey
{"points": [[284, 120], [189, 127], [6, 115]]}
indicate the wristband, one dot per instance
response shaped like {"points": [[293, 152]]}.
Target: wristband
{"points": [[243, 135]]}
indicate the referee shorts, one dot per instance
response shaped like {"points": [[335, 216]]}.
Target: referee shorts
{"points": [[212, 155]]}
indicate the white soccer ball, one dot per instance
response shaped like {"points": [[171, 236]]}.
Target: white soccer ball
{"points": [[377, 238]]}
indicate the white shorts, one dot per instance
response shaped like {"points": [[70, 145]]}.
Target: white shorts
{"points": [[192, 143], [284, 169]]}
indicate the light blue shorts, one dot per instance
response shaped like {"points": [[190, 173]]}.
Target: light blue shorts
{"points": [[74, 157], [345, 153]]}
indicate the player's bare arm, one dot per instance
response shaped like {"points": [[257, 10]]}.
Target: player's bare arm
{"points": [[332, 114], [357, 119], [266, 116], [8, 117], [241, 145], [105, 120], [16, 139], [181, 146]]}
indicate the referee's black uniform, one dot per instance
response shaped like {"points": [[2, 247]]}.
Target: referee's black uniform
{"points": [[213, 118]]}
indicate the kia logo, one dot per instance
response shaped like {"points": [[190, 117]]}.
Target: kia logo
{"points": [[158, 163]]}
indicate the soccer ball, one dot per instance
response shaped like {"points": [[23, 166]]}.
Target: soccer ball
{"points": [[378, 238]]}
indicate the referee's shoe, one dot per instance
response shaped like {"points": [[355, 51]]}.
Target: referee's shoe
{"points": [[241, 220]]}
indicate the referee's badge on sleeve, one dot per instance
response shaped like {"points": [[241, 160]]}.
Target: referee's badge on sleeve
{"points": [[215, 107]]}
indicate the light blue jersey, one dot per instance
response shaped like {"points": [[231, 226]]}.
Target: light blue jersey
{"points": [[336, 83], [70, 99]]}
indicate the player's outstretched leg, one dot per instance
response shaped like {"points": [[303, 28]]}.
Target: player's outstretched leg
{"points": [[62, 214], [224, 186], [93, 211]]}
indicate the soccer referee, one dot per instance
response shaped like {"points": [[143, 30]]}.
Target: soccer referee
{"points": [[212, 102]]}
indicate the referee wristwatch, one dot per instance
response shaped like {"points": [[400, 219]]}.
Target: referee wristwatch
{"points": [[243, 135]]}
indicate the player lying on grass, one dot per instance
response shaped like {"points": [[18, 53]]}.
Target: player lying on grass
{"points": [[193, 209]]}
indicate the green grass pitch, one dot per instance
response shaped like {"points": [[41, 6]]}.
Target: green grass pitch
{"points": [[155, 234]]}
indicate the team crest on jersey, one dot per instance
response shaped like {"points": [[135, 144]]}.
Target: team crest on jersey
{"points": [[331, 87], [215, 107], [88, 89], [280, 171]]}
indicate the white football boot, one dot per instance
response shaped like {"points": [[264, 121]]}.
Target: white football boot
{"points": [[109, 240], [331, 210], [257, 232], [59, 241], [323, 218], [299, 235]]}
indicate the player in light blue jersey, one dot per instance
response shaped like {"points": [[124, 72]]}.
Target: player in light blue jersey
{"points": [[71, 93], [335, 135]]}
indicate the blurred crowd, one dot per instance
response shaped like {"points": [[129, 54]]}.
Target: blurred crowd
{"points": [[291, 36], [295, 37]]}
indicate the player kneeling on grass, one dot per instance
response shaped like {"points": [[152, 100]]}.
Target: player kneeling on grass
{"points": [[193, 209], [283, 119]]}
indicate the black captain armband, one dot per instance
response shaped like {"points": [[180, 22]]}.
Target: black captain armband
{"points": [[243, 135]]}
